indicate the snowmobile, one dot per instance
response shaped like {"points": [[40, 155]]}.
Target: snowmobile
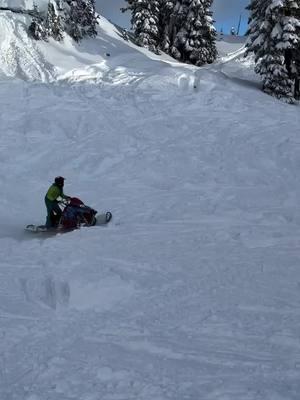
{"points": [[75, 214]]}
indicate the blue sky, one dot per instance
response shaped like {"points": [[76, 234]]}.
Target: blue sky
{"points": [[226, 13]]}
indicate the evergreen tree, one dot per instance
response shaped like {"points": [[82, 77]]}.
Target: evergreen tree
{"points": [[209, 34], [196, 36], [37, 27], [77, 18], [91, 18], [80, 18], [178, 48], [145, 22], [182, 28], [72, 21], [167, 25], [273, 36], [292, 28], [296, 70], [256, 18], [54, 22]]}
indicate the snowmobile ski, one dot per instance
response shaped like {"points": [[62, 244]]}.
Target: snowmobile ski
{"points": [[104, 218], [101, 219], [36, 228]]}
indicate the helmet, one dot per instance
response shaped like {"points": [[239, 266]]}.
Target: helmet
{"points": [[59, 180]]}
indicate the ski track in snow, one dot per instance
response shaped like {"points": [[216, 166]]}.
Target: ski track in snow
{"points": [[192, 291]]}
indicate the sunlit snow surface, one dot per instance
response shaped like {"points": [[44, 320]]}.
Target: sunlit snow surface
{"points": [[193, 290]]}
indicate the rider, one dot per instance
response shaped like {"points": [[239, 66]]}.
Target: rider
{"points": [[51, 200]]}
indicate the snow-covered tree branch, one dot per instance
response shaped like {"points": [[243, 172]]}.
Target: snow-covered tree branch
{"points": [[274, 38]]}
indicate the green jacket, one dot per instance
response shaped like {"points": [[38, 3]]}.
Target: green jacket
{"points": [[54, 192]]}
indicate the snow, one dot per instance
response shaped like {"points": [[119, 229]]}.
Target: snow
{"points": [[192, 291], [24, 4], [94, 60]]}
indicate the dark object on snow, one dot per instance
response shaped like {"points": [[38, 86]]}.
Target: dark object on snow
{"points": [[107, 54], [74, 215]]}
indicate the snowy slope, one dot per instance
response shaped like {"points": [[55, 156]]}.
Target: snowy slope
{"points": [[192, 291], [20, 57], [25, 58], [22, 4], [100, 59]]}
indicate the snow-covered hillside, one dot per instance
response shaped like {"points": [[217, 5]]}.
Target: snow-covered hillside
{"points": [[192, 291], [22, 4], [103, 59]]}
